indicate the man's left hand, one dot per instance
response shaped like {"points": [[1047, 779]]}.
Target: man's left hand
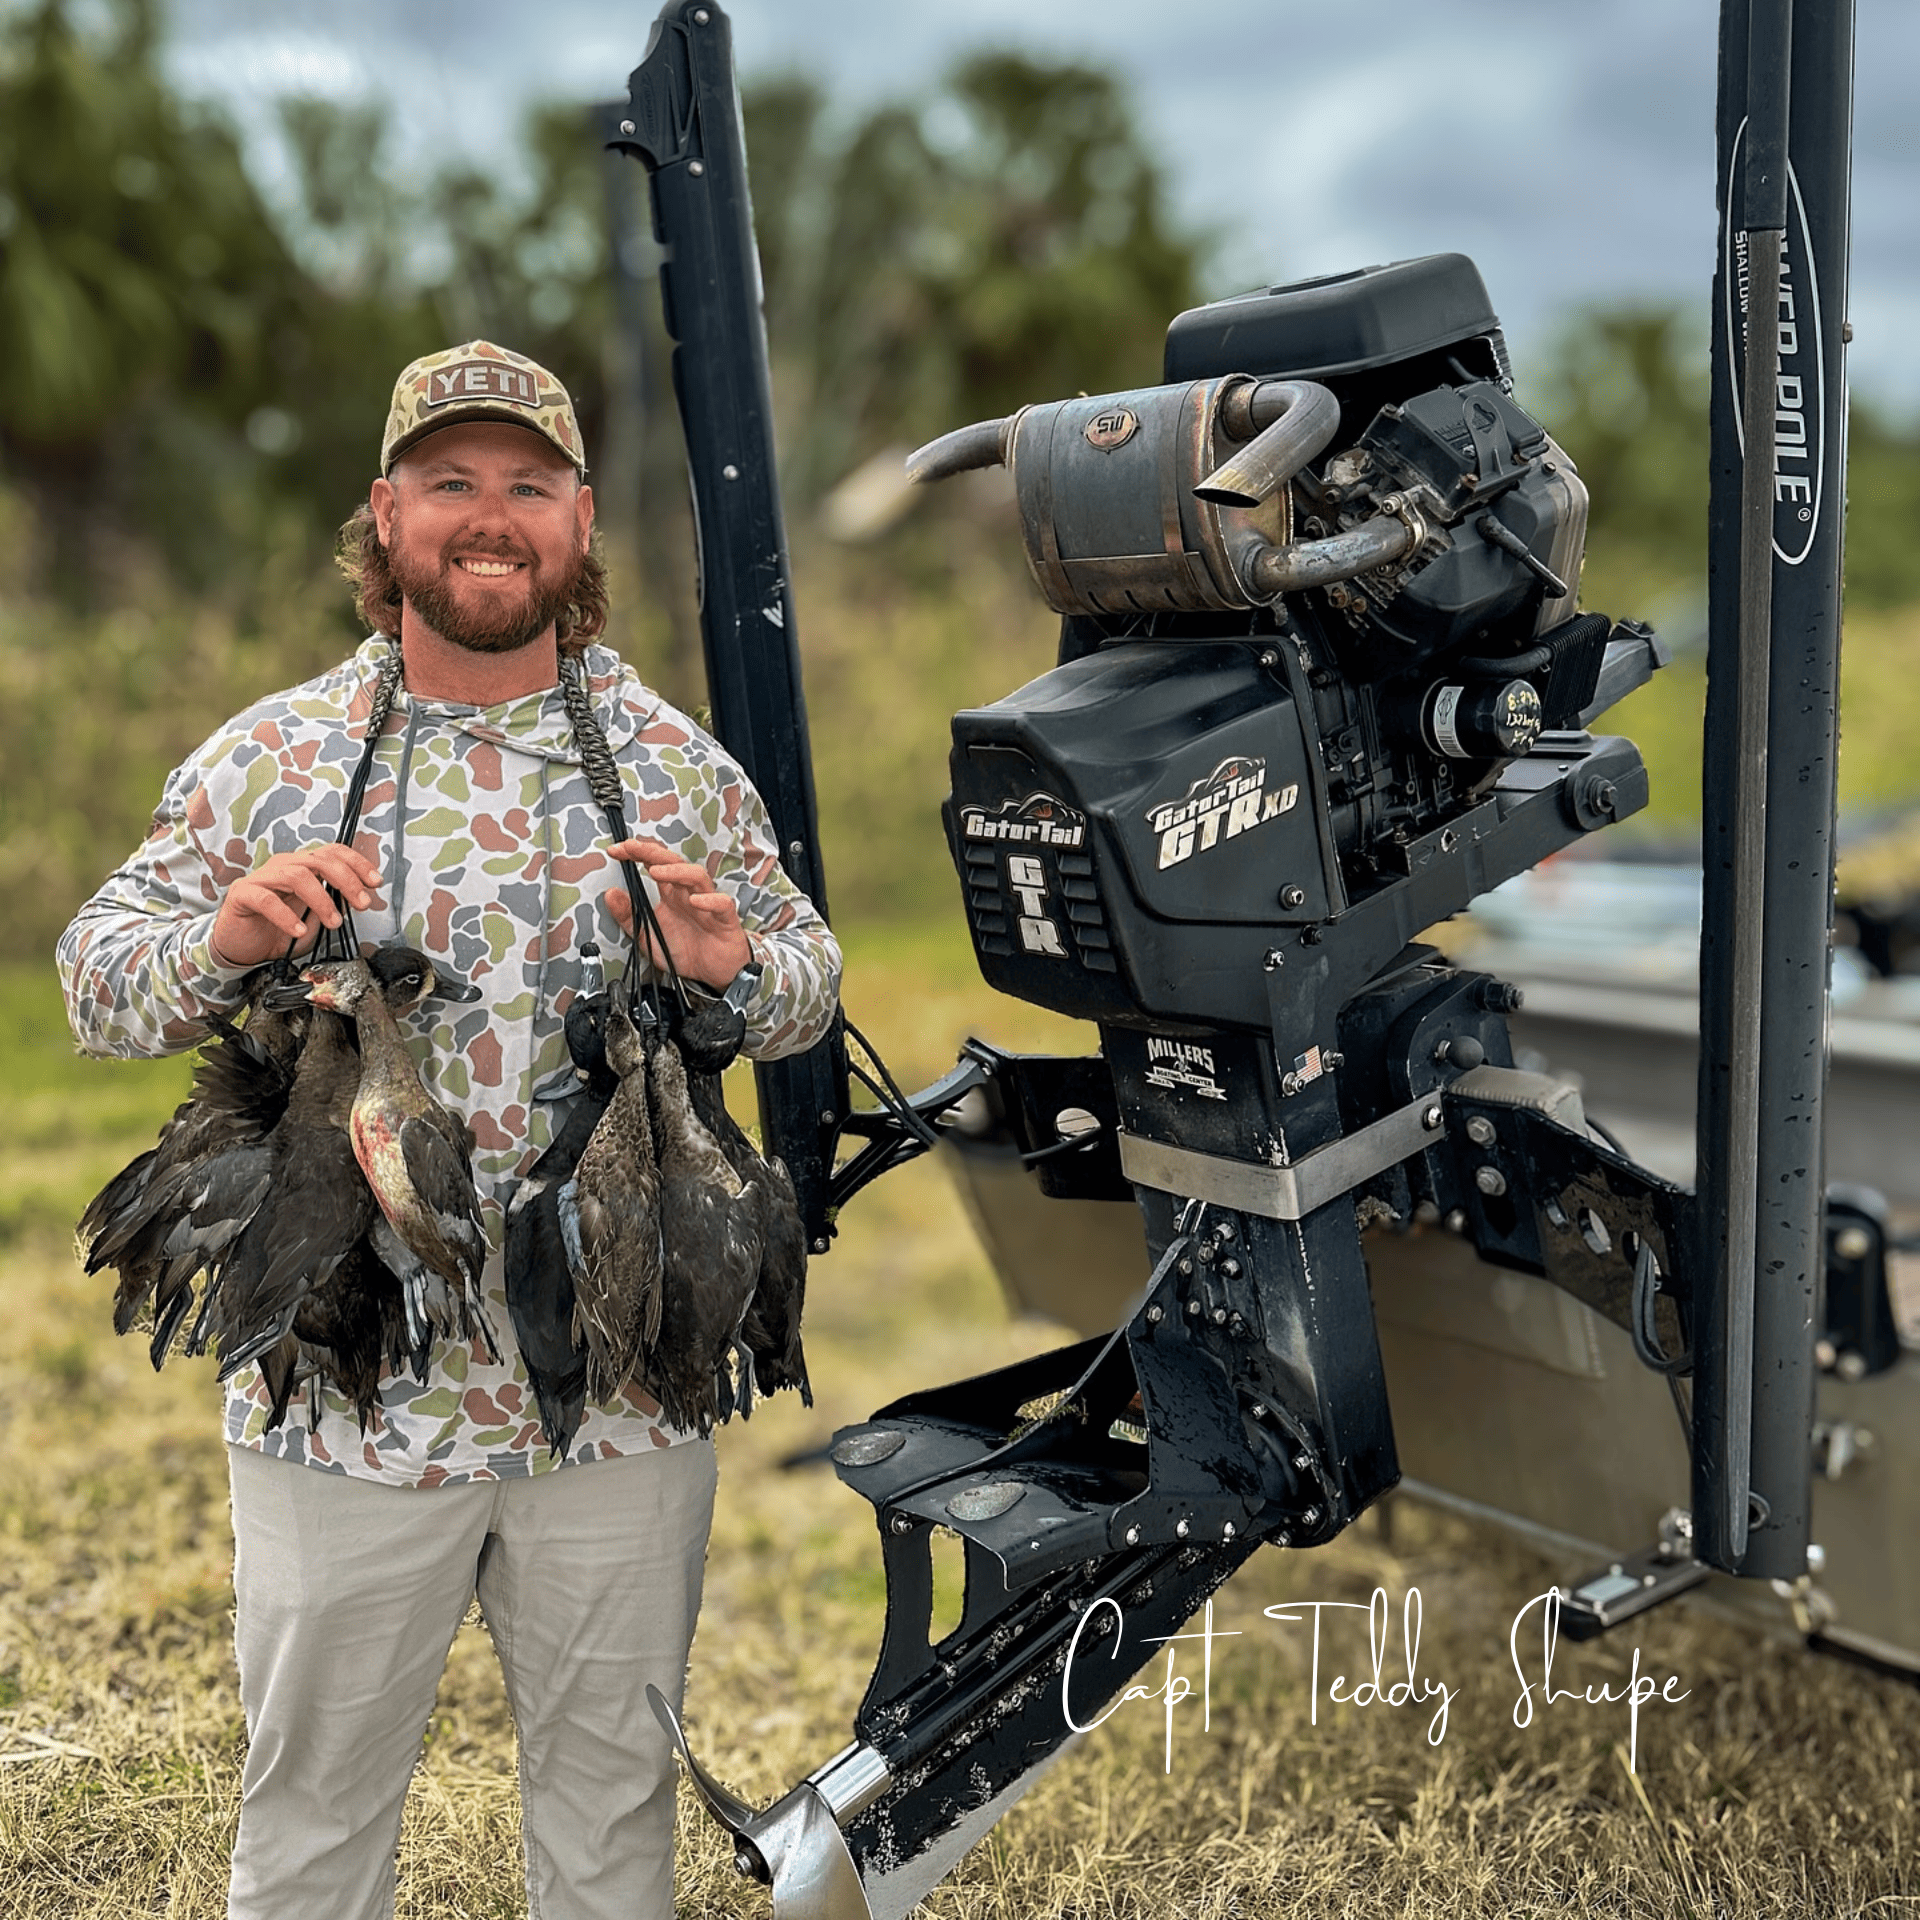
{"points": [[701, 923]]}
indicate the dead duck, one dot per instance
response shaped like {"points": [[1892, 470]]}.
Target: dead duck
{"points": [[318, 1212], [609, 1220], [771, 1329], [175, 1208], [710, 1238], [540, 1290], [416, 1156]]}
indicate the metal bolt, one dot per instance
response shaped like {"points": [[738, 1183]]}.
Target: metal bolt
{"points": [[1302, 1462], [1154, 1316], [730, 471], [826, 1116], [1133, 1536], [1274, 960], [1456, 1221], [1853, 1243], [1226, 1532], [696, 167], [1182, 1530], [820, 1245], [1432, 1117], [1289, 1084], [1258, 1410], [1481, 1131], [1490, 1180], [701, 16], [1186, 1266], [1293, 896], [796, 848], [1225, 1234], [1219, 1316], [1309, 936], [1268, 657], [1230, 1268], [1311, 1517], [1193, 1309], [900, 1523], [626, 126]]}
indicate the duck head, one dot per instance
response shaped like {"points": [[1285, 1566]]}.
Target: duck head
{"points": [[586, 1029], [626, 1051], [402, 976]]}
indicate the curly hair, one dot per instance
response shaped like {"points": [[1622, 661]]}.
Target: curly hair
{"points": [[376, 594]]}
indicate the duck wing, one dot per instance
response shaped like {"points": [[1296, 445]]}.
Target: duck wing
{"points": [[340, 1327], [318, 1209], [771, 1328], [609, 1217], [540, 1293], [712, 1254], [440, 1171]]}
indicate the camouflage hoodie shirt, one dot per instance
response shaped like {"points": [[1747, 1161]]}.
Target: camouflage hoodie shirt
{"points": [[495, 862]]}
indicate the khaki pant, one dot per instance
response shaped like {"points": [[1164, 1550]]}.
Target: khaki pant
{"points": [[349, 1594]]}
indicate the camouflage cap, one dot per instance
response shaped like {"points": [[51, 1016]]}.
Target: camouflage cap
{"points": [[478, 381]]}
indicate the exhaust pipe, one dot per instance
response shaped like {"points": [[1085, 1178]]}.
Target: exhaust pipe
{"points": [[1395, 532], [965, 450], [1290, 421]]}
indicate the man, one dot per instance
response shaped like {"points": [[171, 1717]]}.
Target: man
{"points": [[480, 843]]}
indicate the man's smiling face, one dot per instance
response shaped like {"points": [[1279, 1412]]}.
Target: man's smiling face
{"points": [[485, 526]]}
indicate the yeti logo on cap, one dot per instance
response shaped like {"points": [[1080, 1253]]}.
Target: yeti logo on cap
{"points": [[470, 380]]}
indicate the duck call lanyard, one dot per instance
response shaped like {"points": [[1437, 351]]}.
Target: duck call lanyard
{"points": [[603, 780]]}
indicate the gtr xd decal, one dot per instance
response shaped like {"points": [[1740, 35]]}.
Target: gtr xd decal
{"points": [[1232, 798], [1037, 821]]}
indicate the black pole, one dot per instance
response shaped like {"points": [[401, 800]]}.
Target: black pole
{"points": [[1775, 528], [683, 123]]}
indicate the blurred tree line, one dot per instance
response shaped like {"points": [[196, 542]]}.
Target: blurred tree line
{"points": [[192, 380]]}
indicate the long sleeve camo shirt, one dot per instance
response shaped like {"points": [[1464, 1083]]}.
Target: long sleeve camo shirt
{"points": [[495, 862]]}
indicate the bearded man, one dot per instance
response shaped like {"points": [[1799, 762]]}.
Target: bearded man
{"points": [[479, 842]]}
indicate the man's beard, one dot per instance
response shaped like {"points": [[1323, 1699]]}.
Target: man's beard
{"points": [[497, 624]]}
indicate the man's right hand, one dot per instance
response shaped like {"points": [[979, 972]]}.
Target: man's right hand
{"points": [[285, 899]]}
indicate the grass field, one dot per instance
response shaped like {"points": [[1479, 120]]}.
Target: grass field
{"points": [[1781, 1785]]}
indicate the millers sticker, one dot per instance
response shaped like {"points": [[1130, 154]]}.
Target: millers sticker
{"points": [[1179, 1063], [1037, 821], [1232, 798]]}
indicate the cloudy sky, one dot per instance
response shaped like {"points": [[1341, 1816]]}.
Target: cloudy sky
{"points": [[1567, 147]]}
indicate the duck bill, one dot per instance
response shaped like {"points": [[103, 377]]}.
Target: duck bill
{"points": [[448, 985], [314, 989], [284, 996]]}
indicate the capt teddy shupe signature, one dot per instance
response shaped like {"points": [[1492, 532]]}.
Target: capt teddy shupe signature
{"points": [[1638, 1690]]}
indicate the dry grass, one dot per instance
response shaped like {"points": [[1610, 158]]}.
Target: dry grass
{"points": [[1782, 1786]]}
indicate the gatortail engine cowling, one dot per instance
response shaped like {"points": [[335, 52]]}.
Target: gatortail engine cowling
{"points": [[1313, 614]]}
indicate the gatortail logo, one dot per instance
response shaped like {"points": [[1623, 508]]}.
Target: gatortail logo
{"points": [[1232, 798], [1800, 387], [1039, 820]]}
